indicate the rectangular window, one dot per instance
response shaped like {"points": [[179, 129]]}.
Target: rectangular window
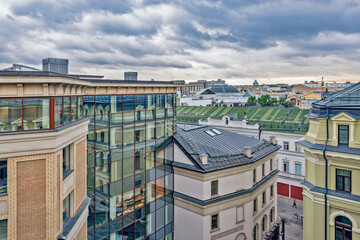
{"points": [[286, 166], [263, 169], [286, 146], [3, 177], [255, 205], [58, 108], [214, 221], [240, 214], [10, 115], [36, 113], [67, 152], [298, 168], [271, 164], [343, 137], [297, 148], [264, 198], [343, 180], [3, 229], [254, 175], [271, 190], [214, 187], [66, 208]]}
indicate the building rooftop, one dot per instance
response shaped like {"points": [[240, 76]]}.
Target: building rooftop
{"points": [[347, 100], [224, 149], [86, 78], [291, 120]]}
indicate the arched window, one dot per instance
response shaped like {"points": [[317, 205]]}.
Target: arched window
{"points": [[343, 228], [272, 212], [227, 121], [263, 224], [255, 232]]}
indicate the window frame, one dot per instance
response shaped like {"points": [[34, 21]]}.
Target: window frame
{"points": [[255, 207], [217, 188], [212, 228], [68, 198], [70, 168], [286, 162], [254, 175], [348, 132], [287, 144], [300, 165], [343, 176]]}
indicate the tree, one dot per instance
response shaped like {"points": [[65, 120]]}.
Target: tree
{"points": [[285, 103], [267, 100], [251, 100]]}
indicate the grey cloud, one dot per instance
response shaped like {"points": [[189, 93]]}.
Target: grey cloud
{"points": [[235, 39]]}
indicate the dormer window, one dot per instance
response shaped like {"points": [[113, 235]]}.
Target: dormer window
{"points": [[343, 134]]}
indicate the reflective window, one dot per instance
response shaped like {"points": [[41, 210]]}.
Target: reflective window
{"points": [[66, 208], [36, 113], [3, 229], [67, 159], [160, 101], [74, 108], [150, 102], [116, 103], [129, 103], [343, 228], [343, 134], [139, 102], [343, 180], [59, 112], [3, 177], [66, 110]]}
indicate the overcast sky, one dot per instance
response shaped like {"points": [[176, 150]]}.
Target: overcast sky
{"points": [[237, 40]]}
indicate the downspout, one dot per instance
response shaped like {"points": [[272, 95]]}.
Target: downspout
{"points": [[326, 168], [259, 131]]}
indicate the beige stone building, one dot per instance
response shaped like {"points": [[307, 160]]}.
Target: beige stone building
{"points": [[67, 170]]}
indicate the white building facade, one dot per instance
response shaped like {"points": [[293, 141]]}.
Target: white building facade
{"points": [[217, 196], [290, 159]]}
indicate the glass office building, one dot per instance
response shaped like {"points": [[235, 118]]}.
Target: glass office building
{"points": [[130, 179], [130, 150]]}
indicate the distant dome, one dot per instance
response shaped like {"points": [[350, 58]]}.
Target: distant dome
{"points": [[222, 88]]}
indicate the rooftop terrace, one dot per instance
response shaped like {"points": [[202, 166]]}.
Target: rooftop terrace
{"points": [[290, 120]]}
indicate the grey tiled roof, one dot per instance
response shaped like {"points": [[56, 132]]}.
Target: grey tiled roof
{"points": [[348, 97], [224, 150]]}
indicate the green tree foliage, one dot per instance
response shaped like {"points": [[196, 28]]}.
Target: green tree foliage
{"points": [[267, 100], [285, 103], [251, 100]]}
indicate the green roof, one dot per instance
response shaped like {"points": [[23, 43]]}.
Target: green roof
{"points": [[290, 120]]}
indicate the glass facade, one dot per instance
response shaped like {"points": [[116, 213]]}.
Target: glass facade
{"points": [[130, 179], [130, 151]]}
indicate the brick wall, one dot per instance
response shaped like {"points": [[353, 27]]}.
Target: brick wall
{"points": [[31, 199]]}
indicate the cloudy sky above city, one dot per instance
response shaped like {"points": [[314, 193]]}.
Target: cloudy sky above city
{"points": [[272, 41]]}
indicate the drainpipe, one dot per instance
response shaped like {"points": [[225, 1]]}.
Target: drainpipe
{"points": [[326, 168], [259, 131]]}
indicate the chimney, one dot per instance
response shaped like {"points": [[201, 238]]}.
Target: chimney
{"points": [[204, 158], [273, 140], [247, 152]]}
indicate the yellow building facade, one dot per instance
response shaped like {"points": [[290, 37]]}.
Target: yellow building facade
{"points": [[332, 158]]}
